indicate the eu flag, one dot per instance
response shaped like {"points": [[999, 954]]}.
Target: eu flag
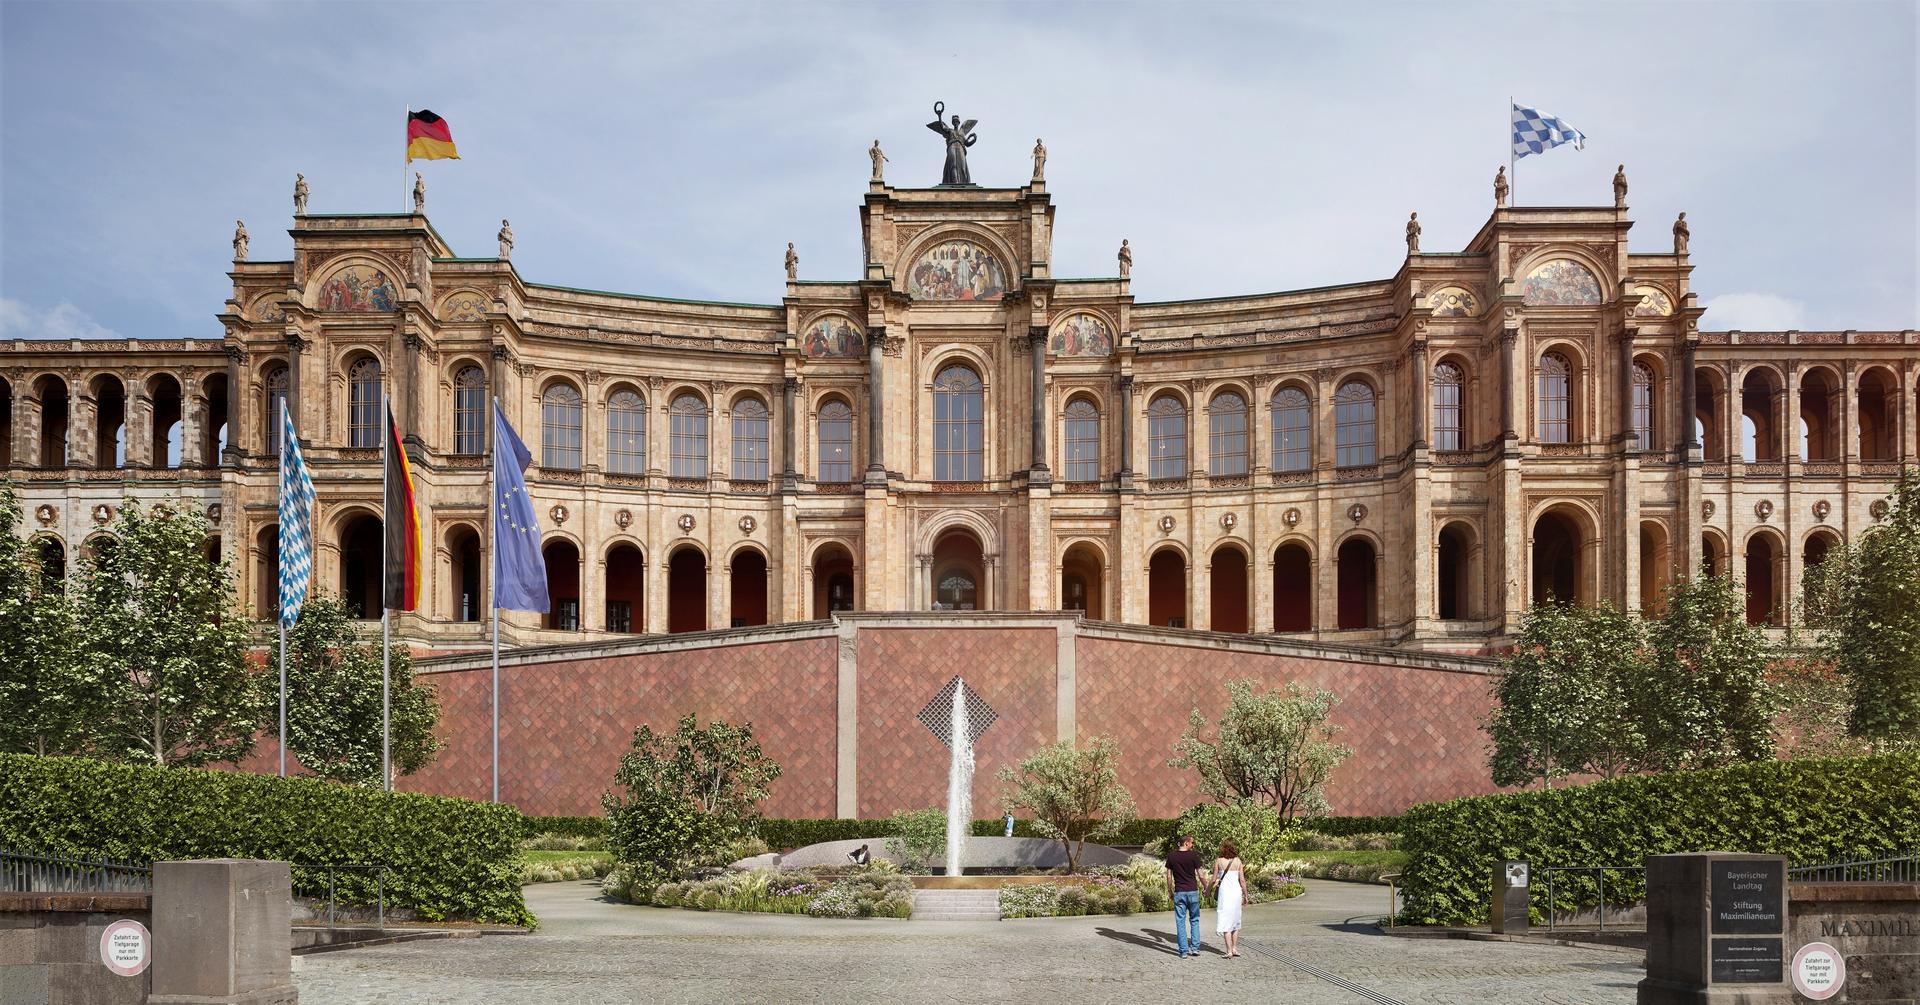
{"points": [[519, 573]]}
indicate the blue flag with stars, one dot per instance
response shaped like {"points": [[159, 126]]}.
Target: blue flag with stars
{"points": [[519, 573]]}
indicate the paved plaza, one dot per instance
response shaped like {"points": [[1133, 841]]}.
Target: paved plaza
{"points": [[590, 951]]}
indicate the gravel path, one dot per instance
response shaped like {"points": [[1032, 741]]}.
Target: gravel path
{"points": [[590, 951]]}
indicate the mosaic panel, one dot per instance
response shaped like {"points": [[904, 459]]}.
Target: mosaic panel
{"points": [[358, 288], [958, 269], [833, 338], [1081, 335], [1453, 302], [464, 307], [1654, 302], [1560, 282]]}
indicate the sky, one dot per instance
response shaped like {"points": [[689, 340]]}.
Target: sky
{"points": [[674, 150]]}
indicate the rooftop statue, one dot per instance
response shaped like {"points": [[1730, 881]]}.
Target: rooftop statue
{"points": [[239, 240], [1620, 187], [1681, 235], [300, 195], [1413, 234], [1126, 259], [1500, 188], [959, 137], [1039, 161], [419, 193], [506, 239], [878, 158], [793, 263]]}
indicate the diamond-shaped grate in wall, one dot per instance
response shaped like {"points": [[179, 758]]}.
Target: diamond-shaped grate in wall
{"points": [[937, 715]]}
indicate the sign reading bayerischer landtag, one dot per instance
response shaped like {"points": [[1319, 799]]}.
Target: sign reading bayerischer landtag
{"points": [[1748, 897], [1716, 920]]}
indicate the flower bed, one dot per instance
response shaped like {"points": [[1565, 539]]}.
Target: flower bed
{"points": [[822, 893]]}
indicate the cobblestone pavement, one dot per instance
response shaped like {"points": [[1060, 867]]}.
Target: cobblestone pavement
{"points": [[589, 951]]}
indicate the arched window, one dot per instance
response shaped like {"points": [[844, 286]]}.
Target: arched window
{"points": [[560, 428], [1166, 438], [363, 403], [1292, 430], [1556, 399], [1227, 435], [750, 451], [1353, 425], [276, 397], [687, 437], [1083, 441], [1447, 380], [1642, 406], [469, 411], [626, 433], [959, 426], [836, 442]]}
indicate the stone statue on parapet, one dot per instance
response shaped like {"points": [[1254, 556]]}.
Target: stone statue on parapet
{"points": [[1126, 259], [1500, 188], [1620, 187], [506, 239], [959, 136], [793, 263], [239, 240], [1413, 234], [1681, 235], [1039, 161], [419, 193], [878, 159], [299, 195]]}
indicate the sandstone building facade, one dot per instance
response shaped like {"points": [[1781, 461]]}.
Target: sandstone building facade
{"points": [[1408, 461]]}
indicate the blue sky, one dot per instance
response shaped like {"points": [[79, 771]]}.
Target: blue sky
{"points": [[674, 150]]}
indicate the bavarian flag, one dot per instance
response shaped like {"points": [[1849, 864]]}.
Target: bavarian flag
{"points": [[428, 138], [401, 524]]}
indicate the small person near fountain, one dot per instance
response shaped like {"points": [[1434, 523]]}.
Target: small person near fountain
{"points": [[860, 856]]}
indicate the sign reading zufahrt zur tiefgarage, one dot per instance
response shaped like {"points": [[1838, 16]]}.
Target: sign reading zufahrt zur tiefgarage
{"points": [[1748, 897], [126, 948]]}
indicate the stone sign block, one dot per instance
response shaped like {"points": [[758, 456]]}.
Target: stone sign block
{"points": [[223, 933], [1716, 929]]}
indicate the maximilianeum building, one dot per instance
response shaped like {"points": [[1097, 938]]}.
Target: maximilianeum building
{"points": [[1407, 461]]}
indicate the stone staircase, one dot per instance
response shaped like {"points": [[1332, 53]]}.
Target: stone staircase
{"points": [[956, 905]]}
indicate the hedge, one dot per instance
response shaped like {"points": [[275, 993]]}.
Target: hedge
{"points": [[1344, 826], [791, 833], [1810, 811], [580, 827], [449, 858]]}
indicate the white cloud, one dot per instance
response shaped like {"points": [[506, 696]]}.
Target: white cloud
{"points": [[64, 321], [1754, 312]]}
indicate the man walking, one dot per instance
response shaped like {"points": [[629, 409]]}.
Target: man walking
{"points": [[1183, 885]]}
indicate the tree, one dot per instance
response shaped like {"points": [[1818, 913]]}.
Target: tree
{"points": [[333, 699], [162, 618], [915, 838], [52, 692], [1868, 596], [1571, 697], [1074, 793], [1711, 703], [1274, 747], [687, 795]]}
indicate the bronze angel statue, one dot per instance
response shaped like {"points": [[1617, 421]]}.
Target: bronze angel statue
{"points": [[959, 137]]}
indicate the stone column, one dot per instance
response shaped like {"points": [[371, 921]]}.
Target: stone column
{"points": [[1791, 452], [1125, 474], [140, 446], [295, 344], [1037, 349], [876, 407], [1689, 399], [1511, 377], [409, 384], [1730, 420], [83, 418], [789, 389], [26, 423], [1906, 449], [236, 395], [1423, 560], [193, 423], [1422, 395]]}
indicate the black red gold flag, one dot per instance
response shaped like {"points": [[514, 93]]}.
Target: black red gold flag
{"points": [[428, 138], [401, 523]]}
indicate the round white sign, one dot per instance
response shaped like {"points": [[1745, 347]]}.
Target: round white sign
{"points": [[1818, 971], [126, 948]]}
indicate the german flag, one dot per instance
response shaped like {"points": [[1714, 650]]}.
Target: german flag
{"points": [[428, 138], [402, 528]]}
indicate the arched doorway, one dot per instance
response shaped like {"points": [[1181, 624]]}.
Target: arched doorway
{"points": [[1080, 581], [1707, 427], [52, 392], [626, 577], [109, 422], [959, 572], [164, 393], [1879, 412], [1819, 439], [266, 582], [1358, 596], [1819, 545], [1655, 567], [1292, 588], [213, 443], [1558, 566], [747, 574], [687, 590], [52, 557], [832, 581], [360, 565], [563, 584], [1713, 555], [1167, 589], [463, 579], [1760, 406], [1455, 592], [1227, 590], [1763, 579]]}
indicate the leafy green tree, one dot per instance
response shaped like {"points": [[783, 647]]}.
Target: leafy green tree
{"points": [[333, 699], [1074, 793], [1711, 703], [52, 692], [916, 838], [1273, 747], [1253, 826], [162, 619], [1868, 596], [687, 794], [1572, 697]]}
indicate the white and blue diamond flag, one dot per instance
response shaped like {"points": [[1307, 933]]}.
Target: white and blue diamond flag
{"points": [[296, 524], [1537, 132]]}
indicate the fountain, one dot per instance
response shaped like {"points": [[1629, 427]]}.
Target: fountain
{"points": [[959, 780]]}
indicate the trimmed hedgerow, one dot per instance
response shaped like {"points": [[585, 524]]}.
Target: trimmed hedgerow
{"points": [[794, 833], [449, 858], [582, 827], [1343, 826], [1811, 810]]}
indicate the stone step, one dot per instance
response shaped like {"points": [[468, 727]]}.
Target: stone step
{"points": [[956, 905]]}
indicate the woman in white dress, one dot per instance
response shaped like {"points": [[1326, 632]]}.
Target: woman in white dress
{"points": [[1230, 880]]}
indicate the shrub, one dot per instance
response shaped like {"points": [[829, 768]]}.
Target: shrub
{"points": [[1074, 792], [1808, 810], [1073, 900], [917, 837], [686, 795], [1350, 825], [1295, 840], [1254, 828], [1273, 747], [576, 827], [834, 902], [449, 858], [1033, 901]]}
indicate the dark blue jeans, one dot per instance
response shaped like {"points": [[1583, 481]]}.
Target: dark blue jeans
{"points": [[1186, 918]]}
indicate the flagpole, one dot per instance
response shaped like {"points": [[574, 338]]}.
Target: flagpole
{"points": [[1513, 163], [277, 539], [386, 613], [493, 592], [406, 161]]}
